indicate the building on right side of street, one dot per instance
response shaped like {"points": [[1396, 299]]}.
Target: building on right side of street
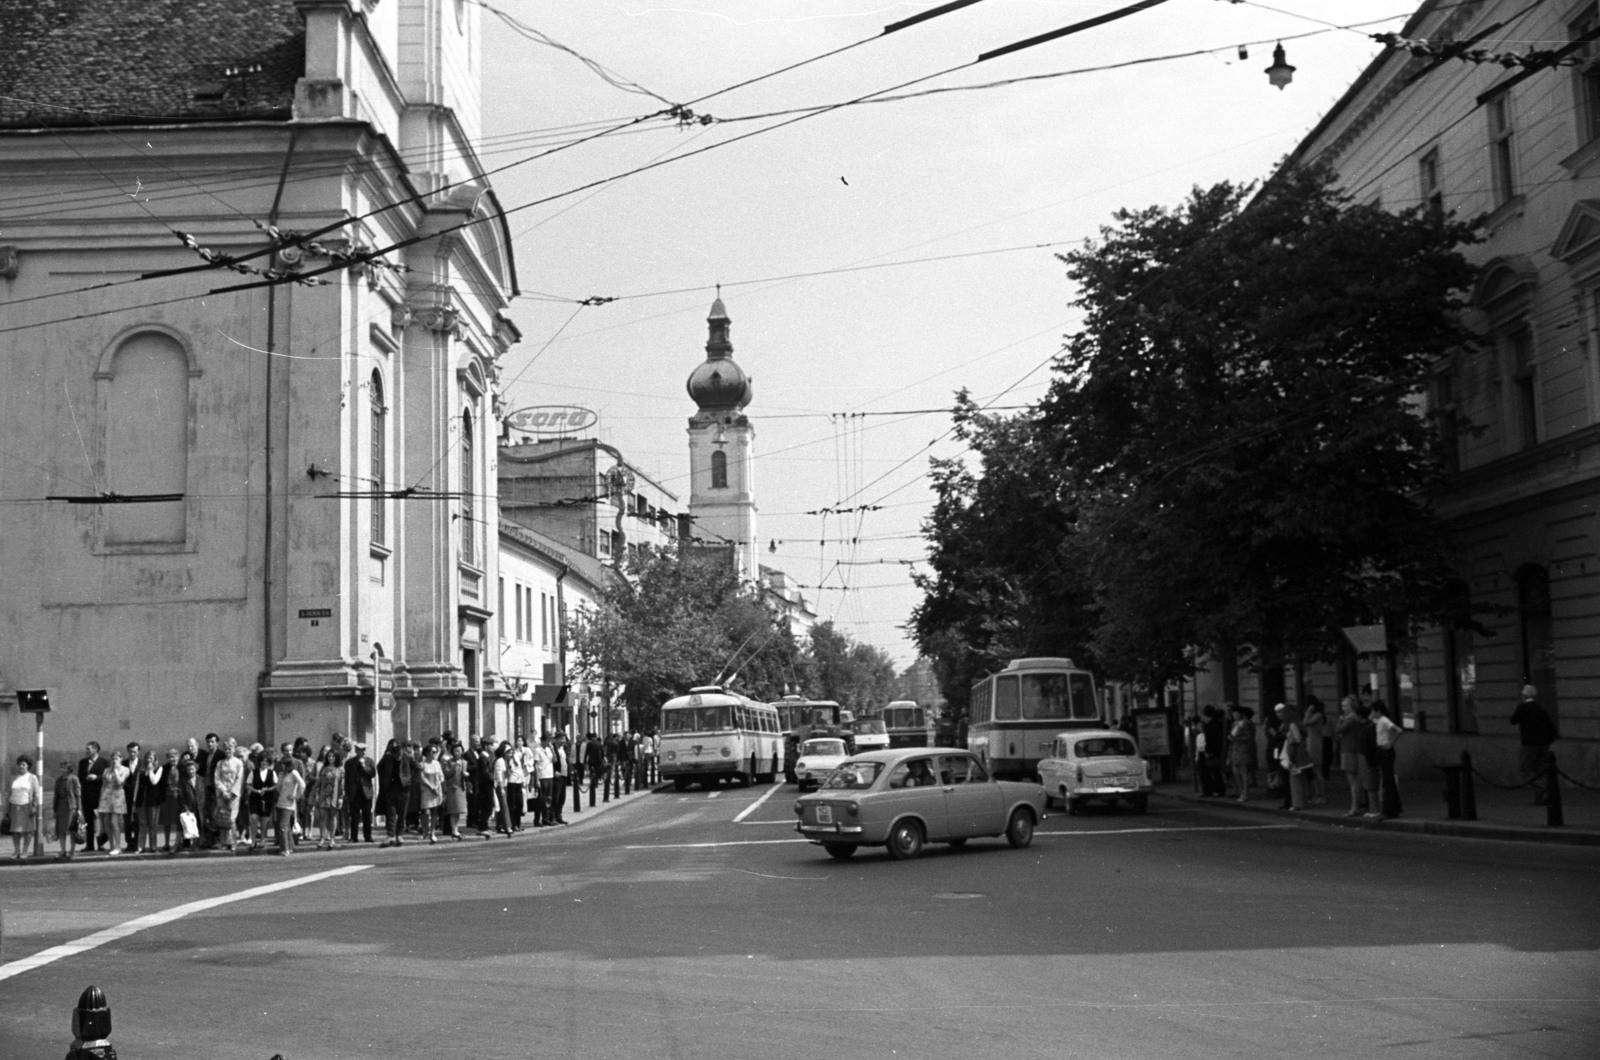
{"points": [[1520, 147]]}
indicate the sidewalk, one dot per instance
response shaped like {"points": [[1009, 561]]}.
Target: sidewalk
{"points": [[308, 847], [1501, 814]]}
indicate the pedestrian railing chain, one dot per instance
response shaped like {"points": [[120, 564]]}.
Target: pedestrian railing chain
{"points": [[1502, 787], [1575, 782]]}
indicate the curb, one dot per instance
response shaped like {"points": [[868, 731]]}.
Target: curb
{"points": [[1411, 826], [100, 858]]}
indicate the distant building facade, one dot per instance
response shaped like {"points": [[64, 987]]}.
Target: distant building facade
{"points": [[586, 495], [311, 546], [1522, 506]]}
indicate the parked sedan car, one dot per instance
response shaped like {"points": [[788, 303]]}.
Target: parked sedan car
{"points": [[1095, 765], [818, 759], [908, 797]]}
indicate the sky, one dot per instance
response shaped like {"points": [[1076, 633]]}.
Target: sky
{"points": [[991, 183]]}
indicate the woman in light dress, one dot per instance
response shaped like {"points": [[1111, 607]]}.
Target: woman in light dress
{"points": [[23, 804], [432, 775], [113, 802], [227, 780]]}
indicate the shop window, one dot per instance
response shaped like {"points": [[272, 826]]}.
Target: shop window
{"points": [[146, 439], [1537, 629]]}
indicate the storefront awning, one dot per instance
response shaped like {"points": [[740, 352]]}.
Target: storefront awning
{"points": [[1367, 640]]}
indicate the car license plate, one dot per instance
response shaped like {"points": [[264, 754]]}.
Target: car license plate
{"points": [[824, 814]]}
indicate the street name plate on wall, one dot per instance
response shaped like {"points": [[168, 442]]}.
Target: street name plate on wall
{"points": [[316, 612]]}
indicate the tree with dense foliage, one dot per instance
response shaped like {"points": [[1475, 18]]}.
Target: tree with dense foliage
{"points": [[681, 619], [850, 673], [1233, 451]]}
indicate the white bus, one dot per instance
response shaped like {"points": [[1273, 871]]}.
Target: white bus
{"points": [[1014, 715], [907, 724], [711, 735]]}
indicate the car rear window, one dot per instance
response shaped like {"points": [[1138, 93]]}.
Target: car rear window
{"points": [[823, 747], [854, 775], [1105, 747]]}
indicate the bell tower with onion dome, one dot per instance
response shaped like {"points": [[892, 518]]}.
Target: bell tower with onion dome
{"points": [[722, 506]]}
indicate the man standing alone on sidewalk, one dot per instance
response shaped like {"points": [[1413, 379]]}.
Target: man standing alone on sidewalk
{"points": [[1538, 733]]}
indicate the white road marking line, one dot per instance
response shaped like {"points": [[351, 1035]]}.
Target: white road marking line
{"points": [[1203, 828], [748, 810], [165, 916], [696, 846], [714, 794]]}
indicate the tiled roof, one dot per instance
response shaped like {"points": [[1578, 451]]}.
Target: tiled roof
{"points": [[76, 62]]}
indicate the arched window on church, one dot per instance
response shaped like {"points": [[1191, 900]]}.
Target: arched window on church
{"points": [[379, 461], [719, 469], [469, 486], [146, 439]]}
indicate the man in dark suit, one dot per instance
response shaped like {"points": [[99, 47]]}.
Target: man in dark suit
{"points": [[359, 772], [90, 767]]}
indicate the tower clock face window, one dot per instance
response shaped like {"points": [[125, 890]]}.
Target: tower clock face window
{"points": [[719, 470]]}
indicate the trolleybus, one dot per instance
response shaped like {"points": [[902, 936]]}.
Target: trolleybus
{"points": [[711, 735], [1015, 714], [906, 723]]}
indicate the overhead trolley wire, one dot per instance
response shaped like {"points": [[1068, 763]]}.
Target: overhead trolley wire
{"points": [[680, 112]]}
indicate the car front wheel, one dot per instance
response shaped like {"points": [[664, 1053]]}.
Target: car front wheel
{"points": [[905, 841], [839, 850], [1019, 833]]}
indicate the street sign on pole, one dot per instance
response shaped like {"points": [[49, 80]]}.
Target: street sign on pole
{"points": [[36, 701]]}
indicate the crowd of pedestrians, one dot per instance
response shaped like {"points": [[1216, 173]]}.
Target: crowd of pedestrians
{"points": [[223, 795], [1303, 750]]}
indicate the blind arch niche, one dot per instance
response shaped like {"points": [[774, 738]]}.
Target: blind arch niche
{"points": [[145, 438]]}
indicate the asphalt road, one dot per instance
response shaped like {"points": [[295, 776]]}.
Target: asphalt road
{"points": [[666, 929]]}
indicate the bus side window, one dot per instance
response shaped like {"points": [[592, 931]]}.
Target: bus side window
{"points": [[1007, 703]]}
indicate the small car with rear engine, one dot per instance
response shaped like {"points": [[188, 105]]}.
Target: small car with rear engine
{"points": [[1095, 765], [908, 797], [819, 757]]}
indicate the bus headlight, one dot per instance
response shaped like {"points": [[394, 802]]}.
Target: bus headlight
{"points": [[727, 752]]}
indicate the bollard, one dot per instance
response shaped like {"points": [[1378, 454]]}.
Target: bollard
{"points": [[577, 794], [606, 779], [1552, 796], [593, 782], [1452, 791], [91, 1028], [1469, 795]]}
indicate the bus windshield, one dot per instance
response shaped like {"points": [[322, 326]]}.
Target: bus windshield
{"points": [[697, 719], [904, 717], [1045, 696]]}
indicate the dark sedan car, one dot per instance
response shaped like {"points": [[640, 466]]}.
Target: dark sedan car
{"points": [[907, 797]]}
